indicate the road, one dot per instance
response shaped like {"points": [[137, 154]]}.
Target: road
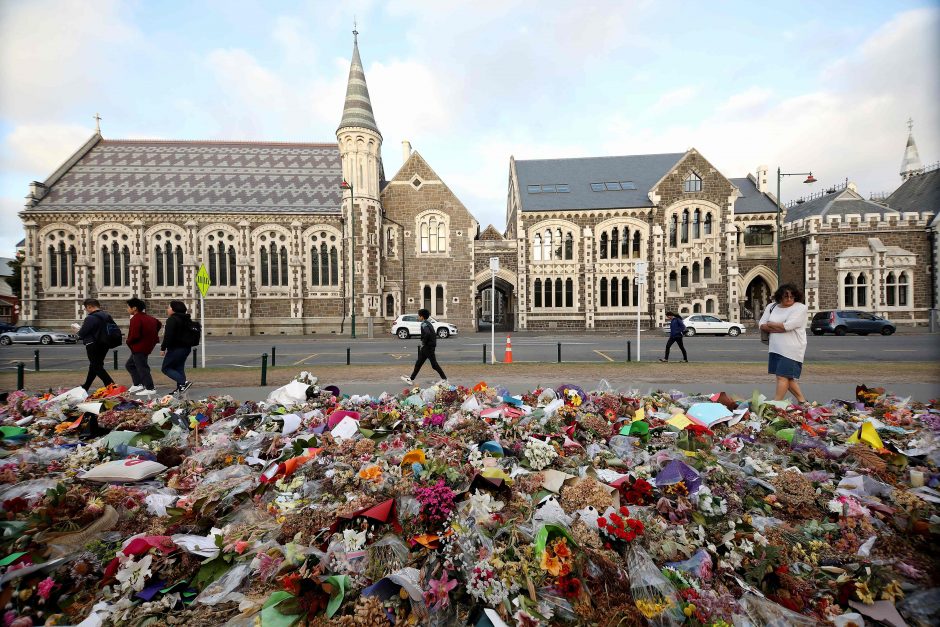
{"points": [[303, 351]]}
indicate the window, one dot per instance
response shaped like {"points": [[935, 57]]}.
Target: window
{"points": [[537, 248], [569, 293], [390, 242], [627, 185], [625, 244], [614, 243], [902, 290], [432, 229], [759, 235], [613, 186], [603, 250], [548, 292], [710, 305], [389, 306], [684, 277], [673, 282], [569, 246], [636, 244], [115, 261], [534, 189], [849, 290], [439, 301], [695, 273], [427, 297], [855, 290], [597, 187], [692, 183], [324, 259], [169, 264], [636, 292], [60, 264], [614, 292], [697, 308], [707, 268], [561, 188], [685, 226], [896, 290], [221, 255], [861, 291], [625, 291], [696, 226], [538, 293], [559, 245], [272, 259], [603, 292], [673, 228], [708, 223], [558, 293]]}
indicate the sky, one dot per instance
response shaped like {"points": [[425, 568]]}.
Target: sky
{"points": [[820, 86]]}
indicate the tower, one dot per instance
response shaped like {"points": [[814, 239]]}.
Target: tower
{"points": [[911, 163], [360, 149]]}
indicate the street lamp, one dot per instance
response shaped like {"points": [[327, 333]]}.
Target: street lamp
{"points": [[352, 246], [809, 180]]}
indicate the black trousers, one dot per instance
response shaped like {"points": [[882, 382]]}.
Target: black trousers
{"points": [[139, 370], [427, 354], [676, 340], [96, 354]]}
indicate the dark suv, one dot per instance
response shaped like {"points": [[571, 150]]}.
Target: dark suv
{"points": [[848, 321]]}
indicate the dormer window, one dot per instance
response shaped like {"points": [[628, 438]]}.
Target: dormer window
{"points": [[692, 183]]}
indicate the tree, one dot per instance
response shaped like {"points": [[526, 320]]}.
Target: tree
{"points": [[16, 279]]}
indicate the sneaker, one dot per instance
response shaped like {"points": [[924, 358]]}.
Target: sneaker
{"points": [[407, 380], [135, 388], [443, 382], [186, 386], [685, 361], [665, 361], [150, 392]]}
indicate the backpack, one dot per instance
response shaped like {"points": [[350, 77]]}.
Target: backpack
{"points": [[681, 324], [192, 333], [109, 334]]}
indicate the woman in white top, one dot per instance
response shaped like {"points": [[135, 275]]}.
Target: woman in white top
{"points": [[785, 321]]}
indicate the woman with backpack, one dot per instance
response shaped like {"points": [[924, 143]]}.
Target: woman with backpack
{"points": [[177, 344], [95, 333], [676, 331]]}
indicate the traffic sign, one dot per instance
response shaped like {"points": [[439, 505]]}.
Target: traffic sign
{"points": [[494, 264], [203, 281]]}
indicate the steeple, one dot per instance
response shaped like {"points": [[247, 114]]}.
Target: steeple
{"points": [[357, 111], [911, 164]]}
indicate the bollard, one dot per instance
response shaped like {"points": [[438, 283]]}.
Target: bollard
{"points": [[629, 351], [559, 352], [195, 352], [36, 360], [115, 359], [264, 369], [484, 353], [273, 356], [20, 367], [347, 356]]}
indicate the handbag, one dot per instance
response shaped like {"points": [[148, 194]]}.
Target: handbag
{"points": [[764, 335]]}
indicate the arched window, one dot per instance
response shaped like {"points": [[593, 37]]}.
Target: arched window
{"points": [[547, 245], [673, 282], [625, 291], [569, 246], [559, 243], [537, 248], [707, 268], [559, 287], [61, 263], [614, 292], [673, 227], [902, 290], [697, 308], [427, 297], [695, 273], [432, 233], [53, 266], [272, 261], [222, 261], [849, 290], [603, 292], [684, 276], [625, 244], [709, 305], [548, 292], [696, 227], [334, 266], [263, 261], [861, 293], [603, 249], [169, 265], [636, 244], [389, 305], [614, 243], [439, 301], [685, 226], [538, 293], [692, 183], [115, 262], [390, 243], [569, 292], [891, 287], [441, 237], [425, 238], [636, 292], [324, 259], [434, 230]]}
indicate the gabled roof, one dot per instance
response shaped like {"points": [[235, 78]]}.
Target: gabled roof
{"points": [[644, 171], [920, 192], [490, 234], [751, 200], [357, 111], [838, 203], [204, 176]]}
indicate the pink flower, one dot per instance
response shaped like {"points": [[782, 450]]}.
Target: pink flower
{"points": [[439, 591], [45, 588], [240, 546]]}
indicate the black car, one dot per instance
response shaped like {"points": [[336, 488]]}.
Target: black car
{"points": [[6, 326], [850, 321]]}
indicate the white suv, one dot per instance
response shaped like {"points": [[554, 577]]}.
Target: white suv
{"points": [[407, 325], [700, 324]]}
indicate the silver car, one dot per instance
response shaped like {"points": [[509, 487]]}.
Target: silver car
{"points": [[36, 335]]}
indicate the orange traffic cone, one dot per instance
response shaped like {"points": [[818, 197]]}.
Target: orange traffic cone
{"points": [[508, 358]]}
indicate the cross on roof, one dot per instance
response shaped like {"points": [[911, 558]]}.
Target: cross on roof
{"points": [[98, 124], [910, 125]]}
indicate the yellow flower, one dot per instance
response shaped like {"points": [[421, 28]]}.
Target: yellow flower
{"points": [[688, 610], [892, 591], [863, 593]]}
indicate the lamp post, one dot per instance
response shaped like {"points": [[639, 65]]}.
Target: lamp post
{"points": [[809, 180], [352, 247]]}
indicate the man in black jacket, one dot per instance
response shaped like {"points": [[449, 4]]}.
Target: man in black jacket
{"points": [[427, 348], [176, 345], [90, 334]]}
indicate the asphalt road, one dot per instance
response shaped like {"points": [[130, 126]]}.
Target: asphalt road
{"points": [[319, 351]]}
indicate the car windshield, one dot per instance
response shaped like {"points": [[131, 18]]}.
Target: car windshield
{"points": [[43, 330]]}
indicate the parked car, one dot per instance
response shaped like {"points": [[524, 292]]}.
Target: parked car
{"points": [[850, 321], [6, 326], [700, 324], [36, 335], [408, 324]]}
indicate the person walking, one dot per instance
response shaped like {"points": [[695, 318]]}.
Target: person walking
{"points": [[142, 336], [676, 330], [91, 333], [177, 345], [427, 348], [785, 322]]}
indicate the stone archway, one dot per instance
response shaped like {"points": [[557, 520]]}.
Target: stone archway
{"points": [[505, 314], [756, 297]]}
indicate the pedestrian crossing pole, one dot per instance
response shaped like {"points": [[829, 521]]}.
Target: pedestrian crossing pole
{"points": [[640, 279], [203, 282], [494, 268]]}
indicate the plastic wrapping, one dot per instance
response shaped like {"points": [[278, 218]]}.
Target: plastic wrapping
{"points": [[653, 594], [223, 589], [922, 609], [761, 612]]}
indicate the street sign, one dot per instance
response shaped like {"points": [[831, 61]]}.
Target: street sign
{"points": [[203, 281], [642, 267], [494, 264], [640, 279]]}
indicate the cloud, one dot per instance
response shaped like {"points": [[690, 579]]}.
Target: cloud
{"points": [[37, 150], [746, 102], [676, 97]]}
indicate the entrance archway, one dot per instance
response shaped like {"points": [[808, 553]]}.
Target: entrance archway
{"points": [[756, 297], [505, 313]]}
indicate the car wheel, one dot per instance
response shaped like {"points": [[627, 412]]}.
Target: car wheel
{"points": [[45, 340], [403, 334], [840, 331], [818, 332], [443, 333], [689, 332], [5, 341], [884, 331], [734, 331]]}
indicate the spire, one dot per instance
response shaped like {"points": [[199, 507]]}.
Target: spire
{"points": [[911, 164], [357, 111]]}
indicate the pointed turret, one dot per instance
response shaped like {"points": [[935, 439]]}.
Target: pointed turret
{"points": [[357, 111], [911, 163]]}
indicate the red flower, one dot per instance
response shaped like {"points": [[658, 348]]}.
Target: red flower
{"points": [[601, 522]]}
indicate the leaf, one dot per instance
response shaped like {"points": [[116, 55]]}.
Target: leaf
{"points": [[210, 571], [698, 518]]}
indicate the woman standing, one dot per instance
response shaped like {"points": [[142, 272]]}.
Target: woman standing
{"points": [[785, 321]]}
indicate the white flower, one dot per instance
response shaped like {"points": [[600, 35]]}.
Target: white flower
{"points": [[133, 575], [352, 540], [482, 506], [540, 454]]}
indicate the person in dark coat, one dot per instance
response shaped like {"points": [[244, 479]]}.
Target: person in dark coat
{"points": [[142, 336], [427, 348], [90, 335], [176, 345], [676, 329]]}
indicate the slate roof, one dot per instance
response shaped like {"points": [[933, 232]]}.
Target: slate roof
{"points": [[357, 110], [919, 193], [839, 203], [200, 176], [751, 200], [643, 170]]}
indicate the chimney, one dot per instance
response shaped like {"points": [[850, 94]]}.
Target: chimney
{"points": [[762, 179], [405, 150], [36, 191]]}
